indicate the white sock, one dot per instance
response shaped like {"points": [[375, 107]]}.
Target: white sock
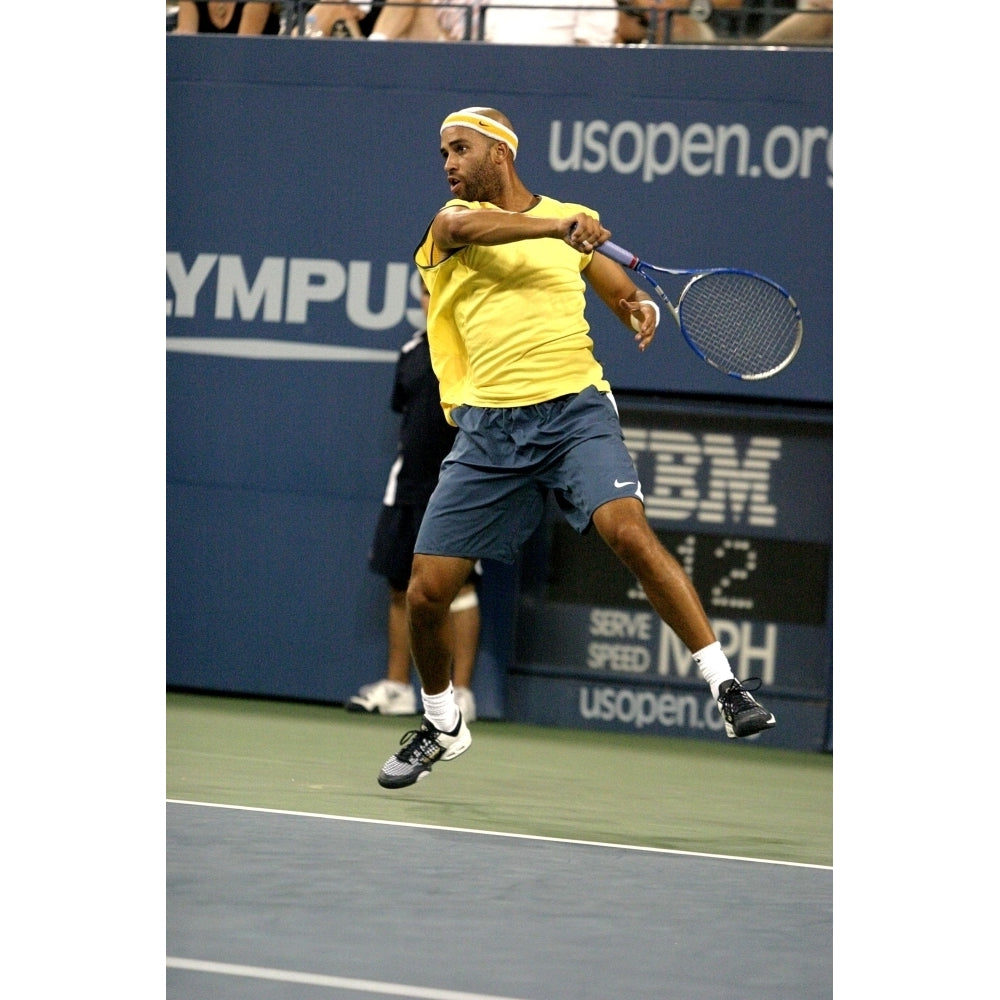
{"points": [[713, 665], [440, 709]]}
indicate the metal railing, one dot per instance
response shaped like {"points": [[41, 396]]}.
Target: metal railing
{"points": [[731, 23]]}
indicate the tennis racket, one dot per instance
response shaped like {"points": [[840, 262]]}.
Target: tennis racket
{"points": [[742, 323]]}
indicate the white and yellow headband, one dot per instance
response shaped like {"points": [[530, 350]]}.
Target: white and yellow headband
{"points": [[475, 119]]}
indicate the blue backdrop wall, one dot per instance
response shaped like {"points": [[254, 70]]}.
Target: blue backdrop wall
{"points": [[301, 175]]}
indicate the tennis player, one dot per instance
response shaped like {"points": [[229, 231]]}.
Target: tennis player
{"points": [[514, 359]]}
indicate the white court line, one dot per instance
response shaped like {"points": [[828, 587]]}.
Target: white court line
{"points": [[497, 833], [330, 982]]}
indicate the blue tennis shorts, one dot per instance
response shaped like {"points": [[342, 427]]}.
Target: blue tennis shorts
{"points": [[493, 486]]}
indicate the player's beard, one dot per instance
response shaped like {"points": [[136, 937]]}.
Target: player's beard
{"points": [[482, 182]]}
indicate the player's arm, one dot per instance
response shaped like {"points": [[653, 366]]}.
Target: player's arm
{"points": [[618, 292], [456, 226]]}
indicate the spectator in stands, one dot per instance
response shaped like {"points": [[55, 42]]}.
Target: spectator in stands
{"points": [[425, 438], [551, 22], [351, 19], [811, 24], [659, 22], [460, 19], [195, 17], [416, 20], [633, 23]]}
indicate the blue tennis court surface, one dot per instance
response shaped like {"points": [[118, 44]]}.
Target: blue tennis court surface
{"points": [[265, 904]]}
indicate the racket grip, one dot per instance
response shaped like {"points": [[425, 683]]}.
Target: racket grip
{"points": [[624, 257]]}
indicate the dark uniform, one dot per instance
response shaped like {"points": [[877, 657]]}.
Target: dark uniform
{"points": [[425, 437]]}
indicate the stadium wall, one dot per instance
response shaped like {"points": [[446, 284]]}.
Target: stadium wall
{"points": [[300, 177]]}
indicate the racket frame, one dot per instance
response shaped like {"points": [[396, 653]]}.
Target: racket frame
{"points": [[633, 263]]}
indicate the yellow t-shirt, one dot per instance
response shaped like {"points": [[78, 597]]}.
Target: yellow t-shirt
{"points": [[506, 324]]}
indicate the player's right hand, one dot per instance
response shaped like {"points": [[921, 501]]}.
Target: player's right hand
{"points": [[584, 233]]}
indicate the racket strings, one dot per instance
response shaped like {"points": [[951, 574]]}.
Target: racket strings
{"points": [[740, 323]]}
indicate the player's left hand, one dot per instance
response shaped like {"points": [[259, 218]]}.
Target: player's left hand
{"points": [[643, 320]]}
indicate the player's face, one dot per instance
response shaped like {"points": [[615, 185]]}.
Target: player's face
{"points": [[471, 173]]}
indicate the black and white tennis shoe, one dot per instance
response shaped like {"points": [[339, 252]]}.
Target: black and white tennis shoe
{"points": [[422, 748], [742, 715]]}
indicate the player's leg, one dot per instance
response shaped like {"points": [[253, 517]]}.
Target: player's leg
{"points": [[596, 483], [622, 524], [443, 734], [479, 509], [434, 584]]}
